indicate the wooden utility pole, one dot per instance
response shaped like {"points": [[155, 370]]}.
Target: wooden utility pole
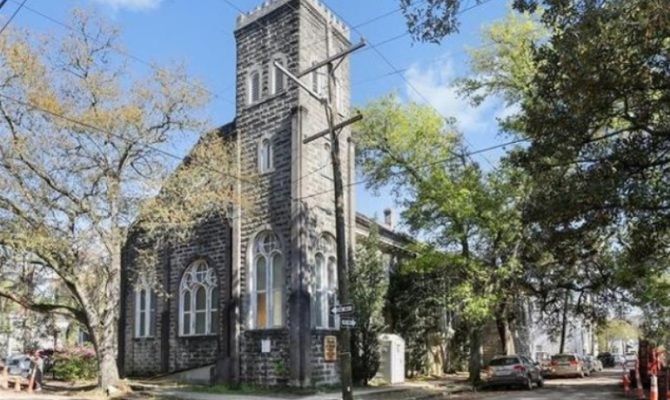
{"points": [[333, 130]]}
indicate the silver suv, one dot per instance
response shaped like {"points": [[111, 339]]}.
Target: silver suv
{"points": [[513, 370]]}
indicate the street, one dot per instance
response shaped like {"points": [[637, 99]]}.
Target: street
{"points": [[599, 386]]}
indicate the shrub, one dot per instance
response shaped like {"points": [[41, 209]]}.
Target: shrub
{"points": [[78, 363]]}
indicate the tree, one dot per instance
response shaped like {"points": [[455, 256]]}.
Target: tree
{"points": [[616, 330], [418, 299], [471, 217], [594, 109], [369, 284], [83, 150]]}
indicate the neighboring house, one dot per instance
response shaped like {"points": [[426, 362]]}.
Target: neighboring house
{"points": [[251, 295], [531, 336]]}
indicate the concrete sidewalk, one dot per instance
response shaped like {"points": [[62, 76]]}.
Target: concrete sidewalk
{"points": [[409, 391]]}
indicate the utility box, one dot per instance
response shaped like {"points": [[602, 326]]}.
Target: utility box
{"points": [[392, 358]]}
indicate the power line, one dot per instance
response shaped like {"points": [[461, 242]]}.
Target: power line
{"points": [[407, 82], [441, 161], [13, 15], [229, 175], [171, 155]]}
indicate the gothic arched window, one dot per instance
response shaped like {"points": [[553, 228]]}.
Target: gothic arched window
{"points": [[254, 85], [324, 283], [198, 300], [145, 308], [267, 282]]}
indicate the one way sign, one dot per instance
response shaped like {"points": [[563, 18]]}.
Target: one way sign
{"points": [[348, 322], [342, 309]]}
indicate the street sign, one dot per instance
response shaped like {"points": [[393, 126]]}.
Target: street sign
{"points": [[342, 309], [330, 348], [348, 322]]}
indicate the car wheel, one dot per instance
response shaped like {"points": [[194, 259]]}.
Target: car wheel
{"points": [[529, 383]]}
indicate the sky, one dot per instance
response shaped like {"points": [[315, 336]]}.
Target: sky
{"points": [[199, 33]]}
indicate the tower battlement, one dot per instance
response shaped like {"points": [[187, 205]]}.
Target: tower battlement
{"points": [[268, 6]]}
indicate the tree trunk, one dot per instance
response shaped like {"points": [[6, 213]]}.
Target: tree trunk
{"points": [[475, 362], [564, 322], [109, 371], [501, 326]]}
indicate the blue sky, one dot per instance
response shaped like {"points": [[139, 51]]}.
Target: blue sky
{"points": [[200, 33]]}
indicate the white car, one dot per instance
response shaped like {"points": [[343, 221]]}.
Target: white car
{"points": [[18, 364]]}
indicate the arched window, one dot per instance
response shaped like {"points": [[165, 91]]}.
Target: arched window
{"points": [[198, 300], [267, 282], [324, 283], [277, 77], [327, 167], [145, 309], [254, 85], [319, 80], [265, 155]]}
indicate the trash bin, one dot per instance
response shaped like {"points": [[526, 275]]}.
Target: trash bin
{"points": [[392, 358]]}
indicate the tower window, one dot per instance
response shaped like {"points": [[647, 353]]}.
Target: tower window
{"points": [[265, 156], [278, 78], [254, 86], [318, 81]]}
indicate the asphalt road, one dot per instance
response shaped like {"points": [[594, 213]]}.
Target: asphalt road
{"points": [[599, 386]]}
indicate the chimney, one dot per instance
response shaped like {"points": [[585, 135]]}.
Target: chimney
{"points": [[388, 218]]}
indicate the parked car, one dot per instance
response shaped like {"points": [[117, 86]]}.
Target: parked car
{"points": [[598, 364], [513, 370], [593, 364], [18, 364], [585, 365], [544, 359], [567, 365], [607, 360]]}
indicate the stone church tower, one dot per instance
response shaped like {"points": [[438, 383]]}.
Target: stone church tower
{"points": [[250, 298]]}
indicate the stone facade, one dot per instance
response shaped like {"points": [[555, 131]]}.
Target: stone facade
{"points": [[292, 198]]}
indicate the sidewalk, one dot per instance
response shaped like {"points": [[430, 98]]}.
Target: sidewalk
{"points": [[412, 390]]}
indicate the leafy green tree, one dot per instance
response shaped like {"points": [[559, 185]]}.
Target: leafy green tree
{"points": [[616, 330], [471, 217], [417, 300], [504, 64], [368, 285]]}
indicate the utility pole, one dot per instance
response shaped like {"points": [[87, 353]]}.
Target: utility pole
{"points": [[333, 130]]}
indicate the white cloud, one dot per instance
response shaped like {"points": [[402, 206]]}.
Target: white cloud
{"points": [[133, 5], [435, 86]]}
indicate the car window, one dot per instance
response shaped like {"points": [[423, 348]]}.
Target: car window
{"points": [[502, 361], [563, 357]]}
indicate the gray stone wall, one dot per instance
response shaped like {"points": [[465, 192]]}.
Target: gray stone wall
{"points": [[267, 198], [320, 38], [147, 356]]}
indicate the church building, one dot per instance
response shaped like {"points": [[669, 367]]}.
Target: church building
{"points": [[249, 299]]}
